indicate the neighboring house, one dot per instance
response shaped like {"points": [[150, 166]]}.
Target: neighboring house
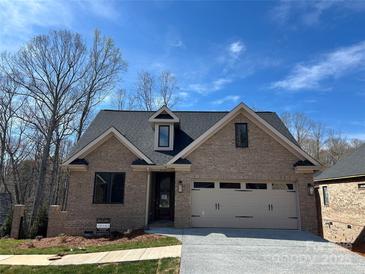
{"points": [[342, 194], [240, 169]]}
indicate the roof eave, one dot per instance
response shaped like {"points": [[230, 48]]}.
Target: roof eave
{"points": [[100, 139], [339, 178]]}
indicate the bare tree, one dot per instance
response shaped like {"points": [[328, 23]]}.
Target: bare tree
{"points": [[102, 71], [145, 97], [356, 143], [19, 149], [317, 136], [152, 94], [337, 147], [61, 82], [168, 89], [49, 70], [8, 109], [299, 125]]}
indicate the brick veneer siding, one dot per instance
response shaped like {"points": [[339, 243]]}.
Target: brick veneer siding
{"points": [[265, 160], [81, 214], [346, 208], [56, 221], [16, 223]]}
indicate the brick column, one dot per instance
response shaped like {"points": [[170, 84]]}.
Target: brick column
{"points": [[307, 204], [56, 221], [18, 214]]}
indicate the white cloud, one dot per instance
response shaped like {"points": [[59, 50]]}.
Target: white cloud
{"points": [[177, 43], [210, 87], [310, 12], [227, 99], [236, 48], [173, 39], [100, 8], [360, 136], [183, 94], [331, 65], [20, 19]]}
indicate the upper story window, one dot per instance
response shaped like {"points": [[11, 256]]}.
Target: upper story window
{"points": [[241, 132], [163, 136], [164, 122], [109, 188]]}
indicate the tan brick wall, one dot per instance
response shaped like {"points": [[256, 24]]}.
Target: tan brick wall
{"points": [[346, 207], [56, 221], [111, 156], [265, 160]]}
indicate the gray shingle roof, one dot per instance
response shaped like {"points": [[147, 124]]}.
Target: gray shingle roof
{"points": [[134, 125], [349, 166]]}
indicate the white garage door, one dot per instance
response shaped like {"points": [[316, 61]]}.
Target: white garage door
{"points": [[244, 205]]}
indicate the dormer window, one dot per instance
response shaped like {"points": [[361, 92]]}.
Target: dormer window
{"points": [[164, 123], [163, 136]]}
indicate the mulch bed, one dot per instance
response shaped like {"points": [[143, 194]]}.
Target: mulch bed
{"points": [[78, 241]]}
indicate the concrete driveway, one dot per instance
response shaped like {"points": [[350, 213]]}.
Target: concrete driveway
{"points": [[260, 251]]}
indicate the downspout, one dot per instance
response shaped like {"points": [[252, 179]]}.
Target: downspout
{"points": [[147, 195]]}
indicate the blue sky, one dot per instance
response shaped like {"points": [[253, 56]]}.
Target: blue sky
{"points": [[281, 56]]}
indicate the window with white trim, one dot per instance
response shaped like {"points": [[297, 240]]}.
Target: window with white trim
{"points": [[163, 136]]}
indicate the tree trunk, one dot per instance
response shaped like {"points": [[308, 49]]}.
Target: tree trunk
{"points": [[39, 191], [54, 177], [83, 117], [2, 164]]}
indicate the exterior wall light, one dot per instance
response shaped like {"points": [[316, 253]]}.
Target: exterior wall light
{"points": [[310, 189], [180, 187]]}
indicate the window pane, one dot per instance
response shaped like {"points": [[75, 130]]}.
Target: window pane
{"points": [[230, 185], [283, 186], [101, 187], [325, 196], [117, 188], [256, 186], [203, 185], [163, 137], [109, 187], [241, 135]]}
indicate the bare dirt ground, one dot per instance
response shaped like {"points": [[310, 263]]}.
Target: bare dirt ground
{"points": [[69, 241]]}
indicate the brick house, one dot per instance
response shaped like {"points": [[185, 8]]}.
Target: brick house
{"points": [[240, 169], [342, 199]]}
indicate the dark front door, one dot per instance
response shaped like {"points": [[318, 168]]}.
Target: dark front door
{"points": [[164, 196]]}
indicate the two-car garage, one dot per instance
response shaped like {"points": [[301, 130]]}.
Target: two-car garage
{"points": [[218, 203]]}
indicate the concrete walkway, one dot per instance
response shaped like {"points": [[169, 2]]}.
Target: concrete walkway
{"points": [[117, 256]]}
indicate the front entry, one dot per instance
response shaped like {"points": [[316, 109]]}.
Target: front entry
{"points": [[164, 196]]}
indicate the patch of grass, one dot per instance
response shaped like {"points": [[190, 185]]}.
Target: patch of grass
{"points": [[9, 246], [162, 266]]}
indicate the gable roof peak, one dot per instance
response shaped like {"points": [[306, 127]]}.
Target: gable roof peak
{"points": [[164, 114], [255, 118]]}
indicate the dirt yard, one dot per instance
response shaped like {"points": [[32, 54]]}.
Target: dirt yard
{"points": [[78, 241]]}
